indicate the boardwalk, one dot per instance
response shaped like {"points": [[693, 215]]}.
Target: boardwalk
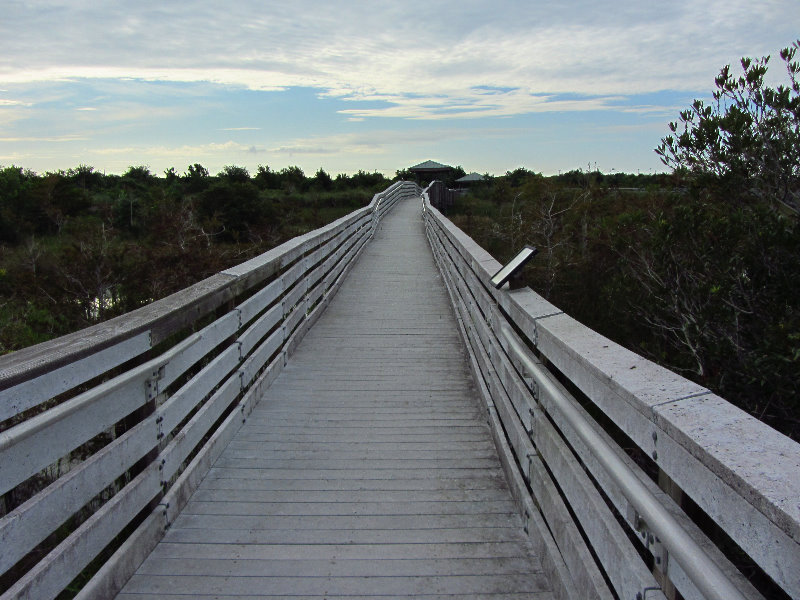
{"points": [[367, 470]]}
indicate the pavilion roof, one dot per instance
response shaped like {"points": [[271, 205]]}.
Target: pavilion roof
{"points": [[430, 165], [471, 177]]}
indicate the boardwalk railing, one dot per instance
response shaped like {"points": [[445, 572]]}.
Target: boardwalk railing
{"points": [[105, 433], [565, 404]]}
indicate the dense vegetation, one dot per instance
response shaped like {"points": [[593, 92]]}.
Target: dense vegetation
{"points": [[78, 247], [698, 270]]}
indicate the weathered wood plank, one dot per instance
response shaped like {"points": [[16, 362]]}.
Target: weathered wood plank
{"points": [[361, 532], [218, 480], [34, 391], [497, 550], [368, 467], [337, 567], [339, 586]]}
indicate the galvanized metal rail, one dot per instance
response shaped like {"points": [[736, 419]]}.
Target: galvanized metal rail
{"points": [[607, 525], [703, 572]]}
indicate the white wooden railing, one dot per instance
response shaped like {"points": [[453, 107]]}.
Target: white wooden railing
{"points": [[105, 433], [562, 403]]}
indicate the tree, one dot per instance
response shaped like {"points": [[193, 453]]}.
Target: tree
{"points": [[715, 275], [196, 171], [237, 207], [267, 179], [196, 178], [293, 180], [170, 175], [322, 180], [747, 141], [235, 174], [139, 174], [18, 214]]}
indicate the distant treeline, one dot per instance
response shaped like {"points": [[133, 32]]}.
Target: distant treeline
{"points": [[79, 246]]}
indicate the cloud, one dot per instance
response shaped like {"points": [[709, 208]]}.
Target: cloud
{"points": [[383, 141], [479, 61], [47, 139], [5, 102], [182, 150], [476, 104]]}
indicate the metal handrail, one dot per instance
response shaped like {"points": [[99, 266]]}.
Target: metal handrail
{"points": [[701, 570]]}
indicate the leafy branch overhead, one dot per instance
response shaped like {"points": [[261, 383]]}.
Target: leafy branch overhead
{"points": [[747, 138]]}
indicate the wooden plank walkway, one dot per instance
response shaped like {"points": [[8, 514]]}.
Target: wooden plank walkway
{"points": [[367, 470]]}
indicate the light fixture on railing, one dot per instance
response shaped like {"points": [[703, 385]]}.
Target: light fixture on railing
{"points": [[515, 264]]}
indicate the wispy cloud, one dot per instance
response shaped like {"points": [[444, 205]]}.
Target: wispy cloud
{"points": [[176, 151], [486, 62], [478, 105], [6, 102], [43, 139], [381, 141]]}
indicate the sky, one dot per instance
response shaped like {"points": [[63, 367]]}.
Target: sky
{"points": [[350, 85]]}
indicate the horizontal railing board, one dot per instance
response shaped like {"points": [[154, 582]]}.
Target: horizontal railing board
{"points": [[265, 350], [67, 560], [267, 264], [260, 327], [184, 442], [323, 250], [293, 319], [32, 445], [198, 345], [292, 280], [595, 360], [317, 273], [259, 301], [33, 392], [316, 292], [185, 400], [714, 431], [524, 308], [294, 299], [30, 523], [161, 317]]}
